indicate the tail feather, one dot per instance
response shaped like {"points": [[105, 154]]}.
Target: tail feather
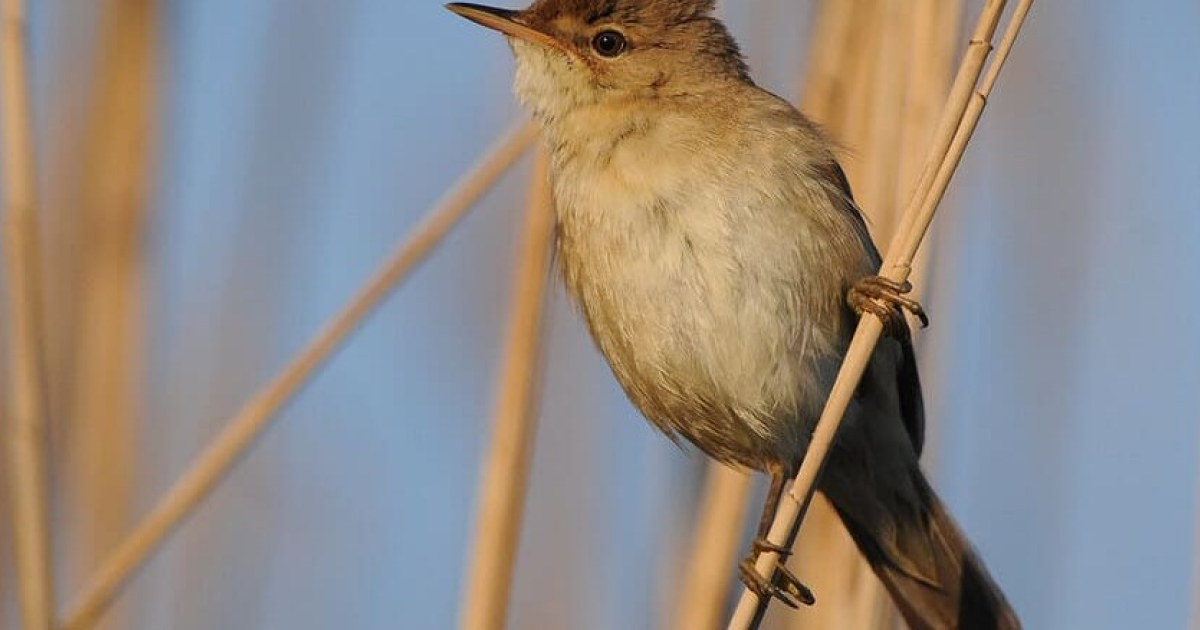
{"points": [[928, 566]]}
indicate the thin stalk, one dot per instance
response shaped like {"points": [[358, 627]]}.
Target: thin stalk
{"points": [[960, 119], [98, 454], [506, 472], [26, 394], [252, 419], [825, 86], [705, 589], [937, 33], [885, 133]]}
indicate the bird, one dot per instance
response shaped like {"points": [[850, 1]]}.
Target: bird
{"points": [[712, 244]]}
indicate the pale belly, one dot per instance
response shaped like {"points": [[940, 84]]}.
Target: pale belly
{"points": [[711, 341], [708, 284]]}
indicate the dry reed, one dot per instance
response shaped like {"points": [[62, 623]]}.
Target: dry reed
{"points": [[714, 549], [967, 101], [837, 89], [851, 596], [506, 471], [107, 370], [26, 394], [250, 421]]}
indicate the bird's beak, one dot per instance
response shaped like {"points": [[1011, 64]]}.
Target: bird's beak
{"points": [[504, 20]]}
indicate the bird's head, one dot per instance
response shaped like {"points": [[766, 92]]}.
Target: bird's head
{"points": [[573, 53]]}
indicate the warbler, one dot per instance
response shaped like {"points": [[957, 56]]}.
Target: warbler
{"points": [[711, 241]]}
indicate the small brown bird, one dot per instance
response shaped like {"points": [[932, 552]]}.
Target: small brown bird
{"points": [[711, 241]]}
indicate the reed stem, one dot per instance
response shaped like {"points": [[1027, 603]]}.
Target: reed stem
{"points": [[506, 471], [25, 402]]}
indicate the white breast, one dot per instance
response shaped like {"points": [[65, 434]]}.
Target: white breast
{"points": [[689, 275]]}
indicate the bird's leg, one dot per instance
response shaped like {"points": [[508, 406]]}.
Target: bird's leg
{"points": [[785, 586], [885, 298]]}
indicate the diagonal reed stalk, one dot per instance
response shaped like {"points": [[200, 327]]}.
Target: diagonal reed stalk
{"points": [[506, 471], [25, 398], [252, 419], [967, 101]]}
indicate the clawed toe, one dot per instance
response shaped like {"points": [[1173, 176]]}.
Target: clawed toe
{"points": [[884, 298], [785, 586], [762, 587], [761, 545]]}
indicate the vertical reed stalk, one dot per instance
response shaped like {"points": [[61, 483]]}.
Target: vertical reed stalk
{"points": [[881, 148], [937, 30], [99, 454], [714, 550], [850, 595], [25, 399], [506, 471], [823, 87]]}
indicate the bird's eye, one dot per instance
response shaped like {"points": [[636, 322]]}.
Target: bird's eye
{"points": [[609, 43]]}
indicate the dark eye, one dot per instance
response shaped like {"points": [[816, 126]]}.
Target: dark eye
{"points": [[609, 43]]}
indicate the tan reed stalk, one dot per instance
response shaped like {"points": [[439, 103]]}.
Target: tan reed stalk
{"points": [[936, 28], [932, 28], [25, 398], [856, 122], [960, 119], [831, 564], [506, 471], [881, 149], [250, 421], [823, 86], [714, 549], [98, 455], [937, 32], [852, 598]]}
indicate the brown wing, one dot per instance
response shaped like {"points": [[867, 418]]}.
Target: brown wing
{"points": [[912, 404]]}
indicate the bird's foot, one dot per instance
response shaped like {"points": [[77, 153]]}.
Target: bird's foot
{"points": [[885, 298], [785, 586], [761, 544]]}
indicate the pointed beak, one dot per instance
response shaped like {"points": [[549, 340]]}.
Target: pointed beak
{"points": [[504, 20]]}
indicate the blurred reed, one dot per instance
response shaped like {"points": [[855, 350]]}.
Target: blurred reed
{"points": [[911, 72], [252, 419], [505, 474], [25, 397], [103, 386], [865, 59], [716, 543], [968, 98]]}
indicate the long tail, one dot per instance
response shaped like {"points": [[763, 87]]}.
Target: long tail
{"points": [[930, 569]]}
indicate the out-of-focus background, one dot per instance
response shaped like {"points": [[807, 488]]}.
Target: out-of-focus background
{"points": [[202, 225]]}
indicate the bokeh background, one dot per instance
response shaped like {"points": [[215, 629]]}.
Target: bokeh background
{"points": [[287, 145]]}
